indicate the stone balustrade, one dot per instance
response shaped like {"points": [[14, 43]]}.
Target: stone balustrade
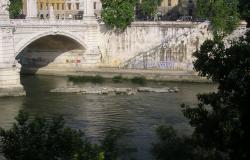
{"points": [[45, 22]]}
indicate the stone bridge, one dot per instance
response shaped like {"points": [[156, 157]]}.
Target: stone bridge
{"points": [[80, 32], [37, 43]]}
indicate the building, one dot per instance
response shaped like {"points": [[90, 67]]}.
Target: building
{"points": [[63, 9], [74, 9], [97, 7], [171, 9], [181, 7], [168, 5]]}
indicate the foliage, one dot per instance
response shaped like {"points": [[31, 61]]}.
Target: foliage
{"points": [[118, 14], [149, 7], [244, 8], [117, 79], [223, 15], [93, 79], [39, 139], [112, 146], [170, 146], [222, 119], [15, 8], [139, 80]]}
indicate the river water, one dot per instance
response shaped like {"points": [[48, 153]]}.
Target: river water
{"points": [[95, 114]]}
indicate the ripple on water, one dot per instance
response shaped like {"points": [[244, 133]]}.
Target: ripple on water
{"points": [[95, 114]]}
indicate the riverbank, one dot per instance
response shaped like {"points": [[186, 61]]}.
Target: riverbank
{"points": [[151, 75]]}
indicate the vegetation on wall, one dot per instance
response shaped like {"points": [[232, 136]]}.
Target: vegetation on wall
{"points": [[223, 15], [244, 8], [118, 14], [149, 7], [15, 8]]}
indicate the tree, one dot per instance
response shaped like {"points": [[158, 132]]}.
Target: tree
{"points": [[222, 118], [118, 14], [149, 7], [39, 139], [112, 146], [223, 15], [170, 146], [15, 8], [221, 121], [244, 8]]}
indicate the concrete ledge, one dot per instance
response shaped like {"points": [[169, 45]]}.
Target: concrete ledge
{"points": [[154, 75], [12, 92]]}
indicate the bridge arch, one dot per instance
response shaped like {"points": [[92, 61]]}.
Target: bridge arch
{"points": [[33, 37], [51, 50]]}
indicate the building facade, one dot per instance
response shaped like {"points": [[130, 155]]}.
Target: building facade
{"points": [[182, 7], [63, 9], [74, 9]]}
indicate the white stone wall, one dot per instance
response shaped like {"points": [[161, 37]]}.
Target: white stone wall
{"points": [[9, 75], [116, 48]]}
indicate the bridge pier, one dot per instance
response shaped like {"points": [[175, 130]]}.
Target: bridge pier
{"points": [[9, 75]]}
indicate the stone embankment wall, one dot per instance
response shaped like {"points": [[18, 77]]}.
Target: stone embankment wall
{"points": [[161, 43]]}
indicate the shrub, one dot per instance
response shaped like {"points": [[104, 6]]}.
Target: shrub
{"points": [[139, 80], [117, 79], [41, 139], [93, 79]]}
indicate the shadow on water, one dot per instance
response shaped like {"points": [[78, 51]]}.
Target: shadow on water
{"points": [[95, 114]]}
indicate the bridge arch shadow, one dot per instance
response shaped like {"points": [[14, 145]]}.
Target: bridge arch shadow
{"points": [[50, 52]]}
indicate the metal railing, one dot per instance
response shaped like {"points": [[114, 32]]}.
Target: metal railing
{"points": [[162, 56]]}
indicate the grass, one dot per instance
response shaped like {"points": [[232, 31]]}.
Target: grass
{"points": [[139, 80], [93, 79]]}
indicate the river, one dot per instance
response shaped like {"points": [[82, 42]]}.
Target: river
{"points": [[95, 114]]}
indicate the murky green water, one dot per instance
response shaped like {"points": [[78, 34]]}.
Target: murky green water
{"points": [[94, 114]]}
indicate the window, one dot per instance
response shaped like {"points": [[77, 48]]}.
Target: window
{"points": [[62, 6], [94, 5], [77, 6], [190, 1], [190, 12], [169, 3], [69, 6], [53, 5], [57, 6], [41, 6], [47, 6]]}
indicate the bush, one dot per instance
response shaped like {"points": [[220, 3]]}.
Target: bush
{"points": [[118, 14], [117, 79], [93, 79], [41, 139], [170, 146], [139, 80]]}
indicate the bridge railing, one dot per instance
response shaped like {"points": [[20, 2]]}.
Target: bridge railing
{"points": [[45, 22]]}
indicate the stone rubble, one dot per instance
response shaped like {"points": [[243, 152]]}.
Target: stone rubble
{"points": [[113, 91]]}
